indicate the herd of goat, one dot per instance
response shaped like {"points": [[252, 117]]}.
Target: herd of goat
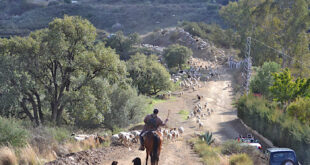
{"points": [[129, 138], [188, 80]]}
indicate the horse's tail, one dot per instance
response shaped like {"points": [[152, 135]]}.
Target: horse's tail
{"points": [[154, 153]]}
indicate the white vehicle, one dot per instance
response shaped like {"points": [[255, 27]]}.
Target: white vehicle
{"points": [[250, 141], [257, 145]]}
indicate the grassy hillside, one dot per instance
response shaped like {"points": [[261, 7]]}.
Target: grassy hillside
{"points": [[132, 16]]}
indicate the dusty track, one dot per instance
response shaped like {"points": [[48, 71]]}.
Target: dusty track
{"points": [[223, 123]]}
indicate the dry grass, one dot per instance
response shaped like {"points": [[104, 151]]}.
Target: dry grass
{"points": [[240, 159], [73, 146], [28, 156], [7, 156]]}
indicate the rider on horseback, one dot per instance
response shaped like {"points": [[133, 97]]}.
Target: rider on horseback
{"points": [[152, 122]]}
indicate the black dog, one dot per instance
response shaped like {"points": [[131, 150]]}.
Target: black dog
{"points": [[114, 163], [136, 161]]}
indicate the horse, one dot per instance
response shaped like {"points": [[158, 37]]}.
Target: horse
{"points": [[152, 142]]}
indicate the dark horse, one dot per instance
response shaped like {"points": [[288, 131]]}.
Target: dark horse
{"points": [[152, 142]]}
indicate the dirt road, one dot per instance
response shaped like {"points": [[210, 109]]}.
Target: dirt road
{"points": [[219, 96], [223, 123]]}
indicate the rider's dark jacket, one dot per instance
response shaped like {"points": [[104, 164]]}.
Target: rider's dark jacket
{"points": [[152, 122]]}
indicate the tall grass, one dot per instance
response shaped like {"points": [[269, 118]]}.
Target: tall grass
{"points": [[28, 156], [60, 134], [7, 156], [240, 159], [12, 133], [209, 154]]}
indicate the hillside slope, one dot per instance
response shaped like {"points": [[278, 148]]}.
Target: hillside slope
{"points": [[129, 17]]}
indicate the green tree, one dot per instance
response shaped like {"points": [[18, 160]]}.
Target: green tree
{"points": [[51, 66], [300, 109], [123, 45], [279, 24], [286, 90], [126, 107], [148, 75], [264, 79], [177, 56]]}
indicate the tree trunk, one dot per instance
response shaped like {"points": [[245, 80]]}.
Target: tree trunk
{"points": [[41, 115], [35, 110], [284, 58], [59, 115], [54, 111], [26, 111]]}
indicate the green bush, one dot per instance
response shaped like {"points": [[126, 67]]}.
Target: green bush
{"points": [[277, 126], [207, 137], [231, 147], [177, 56], [264, 79], [240, 159], [209, 154], [148, 75], [12, 133], [300, 109], [127, 107]]}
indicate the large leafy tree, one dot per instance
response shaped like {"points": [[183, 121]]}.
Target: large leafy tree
{"points": [[279, 24], [300, 109], [177, 56], [263, 78], [285, 89], [148, 75], [51, 66], [123, 45]]}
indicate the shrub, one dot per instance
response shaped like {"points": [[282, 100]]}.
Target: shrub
{"points": [[300, 109], [7, 156], [148, 75], [209, 154], [177, 56], [231, 147], [207, 137], [127, 108], [240, 159], [264, 79], [279, 127], [12, 133]]}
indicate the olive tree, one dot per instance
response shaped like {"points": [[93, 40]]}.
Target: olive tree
{"points": [[177, 56]]}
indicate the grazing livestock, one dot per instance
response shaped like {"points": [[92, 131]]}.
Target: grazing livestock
{"points": [[181, 130], [114, 163], [200, 125], [136, 161], [199, 97]]}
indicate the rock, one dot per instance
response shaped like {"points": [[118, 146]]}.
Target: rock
{"points": [[117, 27]]}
